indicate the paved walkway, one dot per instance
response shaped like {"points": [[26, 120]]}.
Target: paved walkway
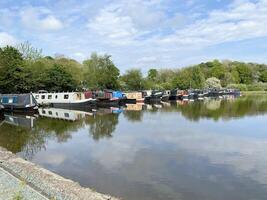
{"points": [[12, 188]]}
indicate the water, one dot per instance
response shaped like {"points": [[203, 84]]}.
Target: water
{"points": [[211, 150]]}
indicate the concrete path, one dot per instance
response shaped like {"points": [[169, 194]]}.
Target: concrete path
{"points": [[11, 188]]}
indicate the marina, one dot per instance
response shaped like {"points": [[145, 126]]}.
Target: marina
{"points": [[116, 150]]}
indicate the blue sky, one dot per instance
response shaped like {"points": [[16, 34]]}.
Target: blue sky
{"points": [[140, 33]]}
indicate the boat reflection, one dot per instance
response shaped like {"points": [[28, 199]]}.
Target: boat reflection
{"points": [[64, 114]]}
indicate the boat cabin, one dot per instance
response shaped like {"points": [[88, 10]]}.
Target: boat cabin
{"points": [[18, 102]]}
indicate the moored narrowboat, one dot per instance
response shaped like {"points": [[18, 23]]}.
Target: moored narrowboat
{"points": [[68, 100], [109, 98], [154, 97], [18, 102], [134, 97], [166, 95], [175, 95]]}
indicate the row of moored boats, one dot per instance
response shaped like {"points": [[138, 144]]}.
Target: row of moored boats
{"points": [[87, 99]]}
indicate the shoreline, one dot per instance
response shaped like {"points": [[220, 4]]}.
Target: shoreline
{"points": [[253, 92], [42, 181]]}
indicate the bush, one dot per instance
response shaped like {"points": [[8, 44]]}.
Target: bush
{"points": [[257, 87], [241, 87]]}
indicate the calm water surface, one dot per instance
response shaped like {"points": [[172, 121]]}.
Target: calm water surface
{"points": [[211, 150]]}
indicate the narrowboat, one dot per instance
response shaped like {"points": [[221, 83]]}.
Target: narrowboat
{"points": [[166, 95], [109, 98], [134, 97], [154, 97], [18, 102], [105, 99], [67, 100], [175, 95]]}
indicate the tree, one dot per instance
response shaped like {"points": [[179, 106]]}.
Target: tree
{"points": [[182, 79], [101, 73], [198, 78], [13, 74], [245, 73], [29, 52], [133, 79], [263, 76], [152, 74], [58, 80], [213, 82]]}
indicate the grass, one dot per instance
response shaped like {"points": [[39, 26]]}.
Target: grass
{"points": [[253, 92]]}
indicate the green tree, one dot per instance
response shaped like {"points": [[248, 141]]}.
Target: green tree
{"points": [[263, 76], [245, 73], [152, 74], [59, 80], [133, 79], [101, 73], [13, 74]]}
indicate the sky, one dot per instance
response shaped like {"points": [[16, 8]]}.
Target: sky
{"points": [[140, 33]]}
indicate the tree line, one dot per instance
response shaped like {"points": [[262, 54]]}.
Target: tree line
{"points": [[24, 69]]}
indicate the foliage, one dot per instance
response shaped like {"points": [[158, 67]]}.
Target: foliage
{"points": [[213, 82], [241, 87], [29, 52], [13, 75], [25, 69], [58, 80], [101, 72], [263, 76], [133, 80]]}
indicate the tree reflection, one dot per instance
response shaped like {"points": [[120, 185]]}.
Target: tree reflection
{"points": [[133, 116], [102, 126], [223, 108], [17, 136]]}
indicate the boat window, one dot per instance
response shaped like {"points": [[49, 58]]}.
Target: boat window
{"points": [[15, 99], [56, 113], [43, 111], [43, 96], [50, 96], [36, 96], [50, 112], [66, 115], [4, 100], [10, 100], [66, 96], [56, 96]]}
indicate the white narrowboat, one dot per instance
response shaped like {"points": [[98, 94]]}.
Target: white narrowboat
{"points": [[63, 99]]}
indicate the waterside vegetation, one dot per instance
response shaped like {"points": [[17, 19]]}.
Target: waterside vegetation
{"points": [[24, 69]]}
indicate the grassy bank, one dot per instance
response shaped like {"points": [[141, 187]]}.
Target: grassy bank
{"points": [[253, 92]]}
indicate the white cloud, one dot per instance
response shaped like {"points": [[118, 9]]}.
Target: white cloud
{"points": [[40, 19], [51, 23], [111, 24], [241, 21], [6, 39]]}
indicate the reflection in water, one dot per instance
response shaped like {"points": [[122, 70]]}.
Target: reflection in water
{"points": [[178, 150], [102, 125]]}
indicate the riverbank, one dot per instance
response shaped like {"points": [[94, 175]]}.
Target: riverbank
{"points": [[253, 92], [21, 179]]}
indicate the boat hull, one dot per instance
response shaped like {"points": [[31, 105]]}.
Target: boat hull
{"points": [[108, 102], [80, 105], [21, 109]]}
